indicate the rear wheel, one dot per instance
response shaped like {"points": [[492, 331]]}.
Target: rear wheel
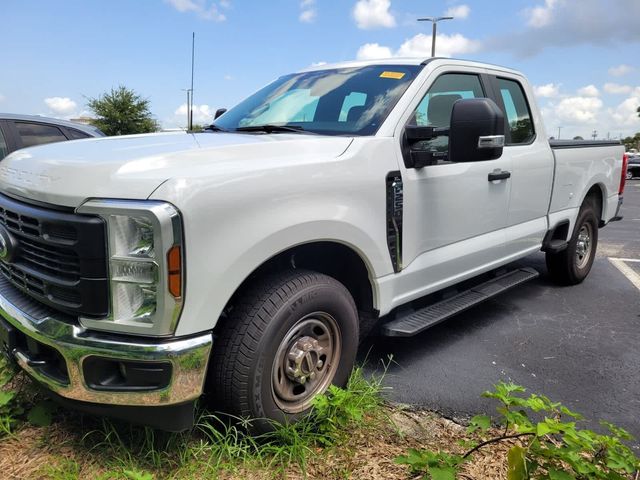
{"points": [[629, 175], [288, 337], [572, 265]]}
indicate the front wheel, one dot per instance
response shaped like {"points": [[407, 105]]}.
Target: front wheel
{"points": [[629, 175], [572, 265], [288, 337]]}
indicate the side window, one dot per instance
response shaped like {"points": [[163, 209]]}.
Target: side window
{"points": [[77, 134], [38, 134], [4, 149], [436, 106], [517, 112]]}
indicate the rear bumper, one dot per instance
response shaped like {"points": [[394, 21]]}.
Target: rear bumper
{"points": [[70, 361]]}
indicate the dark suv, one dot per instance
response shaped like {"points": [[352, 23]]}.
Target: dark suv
{"points": [[633, 170], [21, 131]]}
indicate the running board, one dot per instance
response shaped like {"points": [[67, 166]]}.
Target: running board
{"points": [[420, 320]]}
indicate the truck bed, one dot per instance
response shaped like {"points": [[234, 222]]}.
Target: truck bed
{"points": [[586, 162]]}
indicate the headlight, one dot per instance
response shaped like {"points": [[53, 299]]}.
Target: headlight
{"points": [[145, 266]]}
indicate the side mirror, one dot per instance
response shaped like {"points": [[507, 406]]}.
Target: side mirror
{"points": [[476, 132], [416, 157], [219, 112]]}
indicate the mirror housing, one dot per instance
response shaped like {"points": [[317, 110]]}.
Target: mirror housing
{"points": [[219, 113], [415, 158], [476, 132]]}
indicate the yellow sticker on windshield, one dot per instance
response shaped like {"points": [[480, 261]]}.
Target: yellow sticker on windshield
{"points": [[394, 75]]}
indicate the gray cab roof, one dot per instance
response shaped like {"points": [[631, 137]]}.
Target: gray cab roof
{"points": [[88, 129]]}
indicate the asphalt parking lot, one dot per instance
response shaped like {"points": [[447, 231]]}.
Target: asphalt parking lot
{"points": [[579, 345]]}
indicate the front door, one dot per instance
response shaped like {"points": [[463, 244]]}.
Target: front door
{"points": [[454, 216]]}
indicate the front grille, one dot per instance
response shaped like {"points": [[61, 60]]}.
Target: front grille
{"points": [[60, 259]]}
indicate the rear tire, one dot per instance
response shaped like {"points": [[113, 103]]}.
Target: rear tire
{"points": [[288, 337], [572, 265], [629, 175]]}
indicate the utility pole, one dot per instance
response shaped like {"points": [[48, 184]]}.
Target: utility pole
{"points": [[190, 105], [559, 128], [434, 21], [594, 134]]}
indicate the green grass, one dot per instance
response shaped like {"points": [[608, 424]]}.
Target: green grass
{"points": [[118, 450]]}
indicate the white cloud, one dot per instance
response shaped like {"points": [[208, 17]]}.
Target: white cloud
{"points": [[307, 16], [309, 11], [446, 46], [61, 105], [228, 77], [620, 70], [541, 16], [617, 89], [548, 90], [589, 91], [225, 3], [373, 51], [458, 12], [578, 110], [202, 114], [420, 46], [626, 113], [373, 13], [318, 64], [202, 8], [2, 97]]}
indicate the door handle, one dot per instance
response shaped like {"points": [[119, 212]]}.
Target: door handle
{"points": [[499, 175]]}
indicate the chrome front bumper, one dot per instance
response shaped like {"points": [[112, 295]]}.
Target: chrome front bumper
{"points": [[188, 358]]}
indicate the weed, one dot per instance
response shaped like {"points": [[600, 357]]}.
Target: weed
{"points": [[549, 449]]}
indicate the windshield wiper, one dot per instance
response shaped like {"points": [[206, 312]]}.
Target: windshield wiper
{"points": [[272, 128]]}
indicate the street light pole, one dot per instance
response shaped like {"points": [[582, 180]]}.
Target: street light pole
{"points": [[188, 90], [559, 128], [434, 21]]}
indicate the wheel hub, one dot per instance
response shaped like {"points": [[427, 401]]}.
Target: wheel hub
{"points": [[306, 361], [583, 246], [303, 360]]}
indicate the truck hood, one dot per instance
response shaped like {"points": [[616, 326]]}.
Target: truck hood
{"points": [[133, 166]]}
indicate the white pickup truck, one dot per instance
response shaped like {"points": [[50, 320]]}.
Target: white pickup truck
{"points": [[247, 261]]}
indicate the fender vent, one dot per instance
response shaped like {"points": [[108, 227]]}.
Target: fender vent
{"points": [[394, 218]]}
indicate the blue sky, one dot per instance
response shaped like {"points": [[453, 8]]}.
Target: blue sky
{"points": [[583, 57]]}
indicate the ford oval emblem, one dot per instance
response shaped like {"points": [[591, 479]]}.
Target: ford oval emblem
{"points": [[8, 245]]}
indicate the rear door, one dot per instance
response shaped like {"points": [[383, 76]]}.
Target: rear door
{"points": [[532, 164]]}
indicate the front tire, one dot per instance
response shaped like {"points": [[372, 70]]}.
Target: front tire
{"points": [[572, 265], [288, 337], [629, 175]]}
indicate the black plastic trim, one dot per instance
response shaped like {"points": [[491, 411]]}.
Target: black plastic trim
{"points": [[559, 144], [171, 418], [395, 206]]}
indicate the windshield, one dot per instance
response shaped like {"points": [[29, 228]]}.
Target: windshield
{"points": [[344, 101]]}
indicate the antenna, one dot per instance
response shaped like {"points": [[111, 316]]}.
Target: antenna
{"points": [[190, 105]]}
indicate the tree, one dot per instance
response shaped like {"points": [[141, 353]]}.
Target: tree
{"points": [[638, 110], [632, 142], [122, 112], [578, 137]]}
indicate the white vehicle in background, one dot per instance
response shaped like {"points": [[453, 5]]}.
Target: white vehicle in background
{"points": [[246, 262], [21, 131]]}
